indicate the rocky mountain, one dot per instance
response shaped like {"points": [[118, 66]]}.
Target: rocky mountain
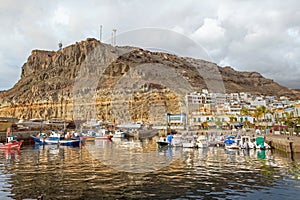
{"points": [[90, 79]]}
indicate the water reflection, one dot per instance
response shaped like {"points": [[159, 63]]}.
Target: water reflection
{"points": [[90, 172]]}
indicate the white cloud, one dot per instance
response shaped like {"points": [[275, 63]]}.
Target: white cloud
{"points": [[252, 35], [61, 16], [210, 32]]}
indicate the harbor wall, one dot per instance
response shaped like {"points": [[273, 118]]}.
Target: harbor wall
{"points": [[22, 135], [289, 144]]}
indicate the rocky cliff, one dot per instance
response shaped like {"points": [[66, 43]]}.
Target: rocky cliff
{"points": [[90, 79]]}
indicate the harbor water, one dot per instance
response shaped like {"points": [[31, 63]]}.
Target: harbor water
{"points": [[139, 170]]}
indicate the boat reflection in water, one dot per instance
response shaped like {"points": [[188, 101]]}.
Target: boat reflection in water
{"points": [[138, 170], [10, 154]]}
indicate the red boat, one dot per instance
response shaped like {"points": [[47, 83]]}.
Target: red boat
{"points": [[11, 145]]}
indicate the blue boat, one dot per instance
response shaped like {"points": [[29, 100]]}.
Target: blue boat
{"points": [[232, 142], [56, 139], [229, 140]]}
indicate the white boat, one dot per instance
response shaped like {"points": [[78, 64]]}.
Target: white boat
{"points": [[202, 141], [177, 141], [119, 134], [246, 143], [188, 142]]}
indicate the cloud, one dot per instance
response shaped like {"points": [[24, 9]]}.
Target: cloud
{"points": [[210, 32], [252, 35]]}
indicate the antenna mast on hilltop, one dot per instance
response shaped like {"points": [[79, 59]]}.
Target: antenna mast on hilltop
{"points": [[100, 33], [114, 37]]}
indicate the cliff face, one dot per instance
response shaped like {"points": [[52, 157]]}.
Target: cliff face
{"points": [[96, 74]]}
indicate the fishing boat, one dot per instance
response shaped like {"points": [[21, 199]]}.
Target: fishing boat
{"points": [[177, 141], [246, 143], [189, 141], [162, 142], [55, 138], [11, 143], [103, 135], [232, 142], [100, 134], [261, 144], [202, 141], [89, 136], [119, 134]]}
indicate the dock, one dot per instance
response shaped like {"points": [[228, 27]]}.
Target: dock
{"points": [[288, 144]]}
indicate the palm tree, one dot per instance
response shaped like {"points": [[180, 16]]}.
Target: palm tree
{"points": [[256, 114], [263, 111], [232, 119], [245, 111], [271, 112], [288, 119]]}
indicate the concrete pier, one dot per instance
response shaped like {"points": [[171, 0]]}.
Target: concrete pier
{"points": [[22, 135], [289, 144]]}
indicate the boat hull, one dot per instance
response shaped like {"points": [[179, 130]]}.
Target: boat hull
{"points": [[162, 144], [108, 137], [70, 142], [12, 145], [63, 142]]}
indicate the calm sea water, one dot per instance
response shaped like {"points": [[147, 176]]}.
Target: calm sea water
{"points": [[138, 170]]}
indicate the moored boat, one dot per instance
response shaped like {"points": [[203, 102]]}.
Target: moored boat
{"points": [[56, 138], [162, 142], [202, 141], [177, 141], [189, 141], [11, 143], [119, 134], [232, 142], [246, 143], [261, 144], [100, 134]]}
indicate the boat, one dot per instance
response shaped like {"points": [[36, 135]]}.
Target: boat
{"points": [[202, 141], [11, 143], [231, 142], [119, 134], [89, 136], [261, 144], [177, 141], [39, 139], [246, 143], [189, 142], [57, 139], [162, 142], [104, 136], [100, 134]]}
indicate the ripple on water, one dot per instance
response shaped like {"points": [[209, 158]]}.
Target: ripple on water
{"points": [[193, 174]]}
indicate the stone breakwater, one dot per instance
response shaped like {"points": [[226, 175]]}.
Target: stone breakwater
{"points": [[289, 144]]}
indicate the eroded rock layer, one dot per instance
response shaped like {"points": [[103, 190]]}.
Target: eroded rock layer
{"points": [[90, 79]]}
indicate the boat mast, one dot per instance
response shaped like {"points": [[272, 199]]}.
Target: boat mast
{"points": [[8, 131]]}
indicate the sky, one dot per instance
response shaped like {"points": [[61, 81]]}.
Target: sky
{"points": [[249, 35]]}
